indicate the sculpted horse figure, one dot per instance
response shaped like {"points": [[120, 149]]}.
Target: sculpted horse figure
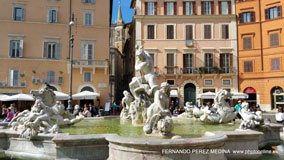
{"points": [[45, 116], [221, 112]]}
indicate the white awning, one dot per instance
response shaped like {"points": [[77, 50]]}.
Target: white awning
{"points": [[174, 93], [60, 95], [19, 97], [3, 96], [85, 95], [238, 95], [206, 95]]}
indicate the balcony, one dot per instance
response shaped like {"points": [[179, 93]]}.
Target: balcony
{"points": [[15, 84], [94, 64], [171, 70], [58, 80], [216, 70], [189, 70]]}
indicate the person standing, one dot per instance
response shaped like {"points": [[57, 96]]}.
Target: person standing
{"points": [[279, 116], [238, 108], [10, 115]]}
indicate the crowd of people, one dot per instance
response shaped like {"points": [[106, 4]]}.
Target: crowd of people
{"points": [[8, 113], [88, 110]]}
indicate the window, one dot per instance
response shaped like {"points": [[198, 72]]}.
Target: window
{"points": [[275, 64], [188, 63], [274, 39], [18, 13], [208, 61], [88, 18], [189, 32], [273, 12], [52, 15], [247, 17], [150, 8], [224, 7], [87, 77], [208, 82], [226, 82], [16, 48], [248, 66], [207, 7], [225, 62], [51, 50], [153, 57], [247, 43], [87, 53], [189, 8], [225, 31], [170, 31], [170, 8], [171, 82], [151, 32], [50, 77], [207, 31], [14, 77], [88, 1], [170, 63]]}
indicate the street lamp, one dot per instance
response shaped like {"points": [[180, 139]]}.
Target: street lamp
{"points": [[71, 45]]}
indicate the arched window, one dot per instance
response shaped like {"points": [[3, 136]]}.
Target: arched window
{"points": [[87, 88]]}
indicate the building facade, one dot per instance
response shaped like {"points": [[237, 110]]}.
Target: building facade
{"points": [[122, 57], [36, 47], [261, 50], [193, 44]]}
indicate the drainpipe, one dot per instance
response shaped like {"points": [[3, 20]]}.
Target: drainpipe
{"points": [[237, 30], [261, 40]]}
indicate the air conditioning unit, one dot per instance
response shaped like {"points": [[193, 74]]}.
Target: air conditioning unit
{"points": [[60, 80], [34, 80], [189, 43], [3, 84], [23, 84], [38, 80]]}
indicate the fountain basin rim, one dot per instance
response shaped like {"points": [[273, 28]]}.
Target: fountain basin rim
{"points": [[204, 140]]}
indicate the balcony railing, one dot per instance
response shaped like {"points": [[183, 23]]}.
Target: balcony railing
{"points": [[51, 80], [171, 70], [189, 70], [216, 70], [6, 84], [90, 63]]}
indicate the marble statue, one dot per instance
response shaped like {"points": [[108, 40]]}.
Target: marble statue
{"points": [[220, 112], [188, 111], [158, 114], [250, 120], [147, 81], [147, 103], [197, 112], [126, 102], [46, 115]]}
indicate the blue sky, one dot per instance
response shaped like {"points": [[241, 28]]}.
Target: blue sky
{"points": [[127, 12]]}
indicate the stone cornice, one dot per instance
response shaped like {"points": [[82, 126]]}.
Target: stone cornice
{"points": [[211, 17]]}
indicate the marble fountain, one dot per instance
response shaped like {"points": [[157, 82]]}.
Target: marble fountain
{"points": [[145, 129]]}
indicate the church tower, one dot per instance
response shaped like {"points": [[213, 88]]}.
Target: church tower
{"points": [[119, 31]]}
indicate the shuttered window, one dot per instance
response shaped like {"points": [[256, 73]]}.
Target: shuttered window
{"points": [[170, 31], [150, 32], [225, 31], [207, 32]]}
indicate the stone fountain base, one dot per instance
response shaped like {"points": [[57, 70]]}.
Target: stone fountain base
{"points": [[213, 145]]}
